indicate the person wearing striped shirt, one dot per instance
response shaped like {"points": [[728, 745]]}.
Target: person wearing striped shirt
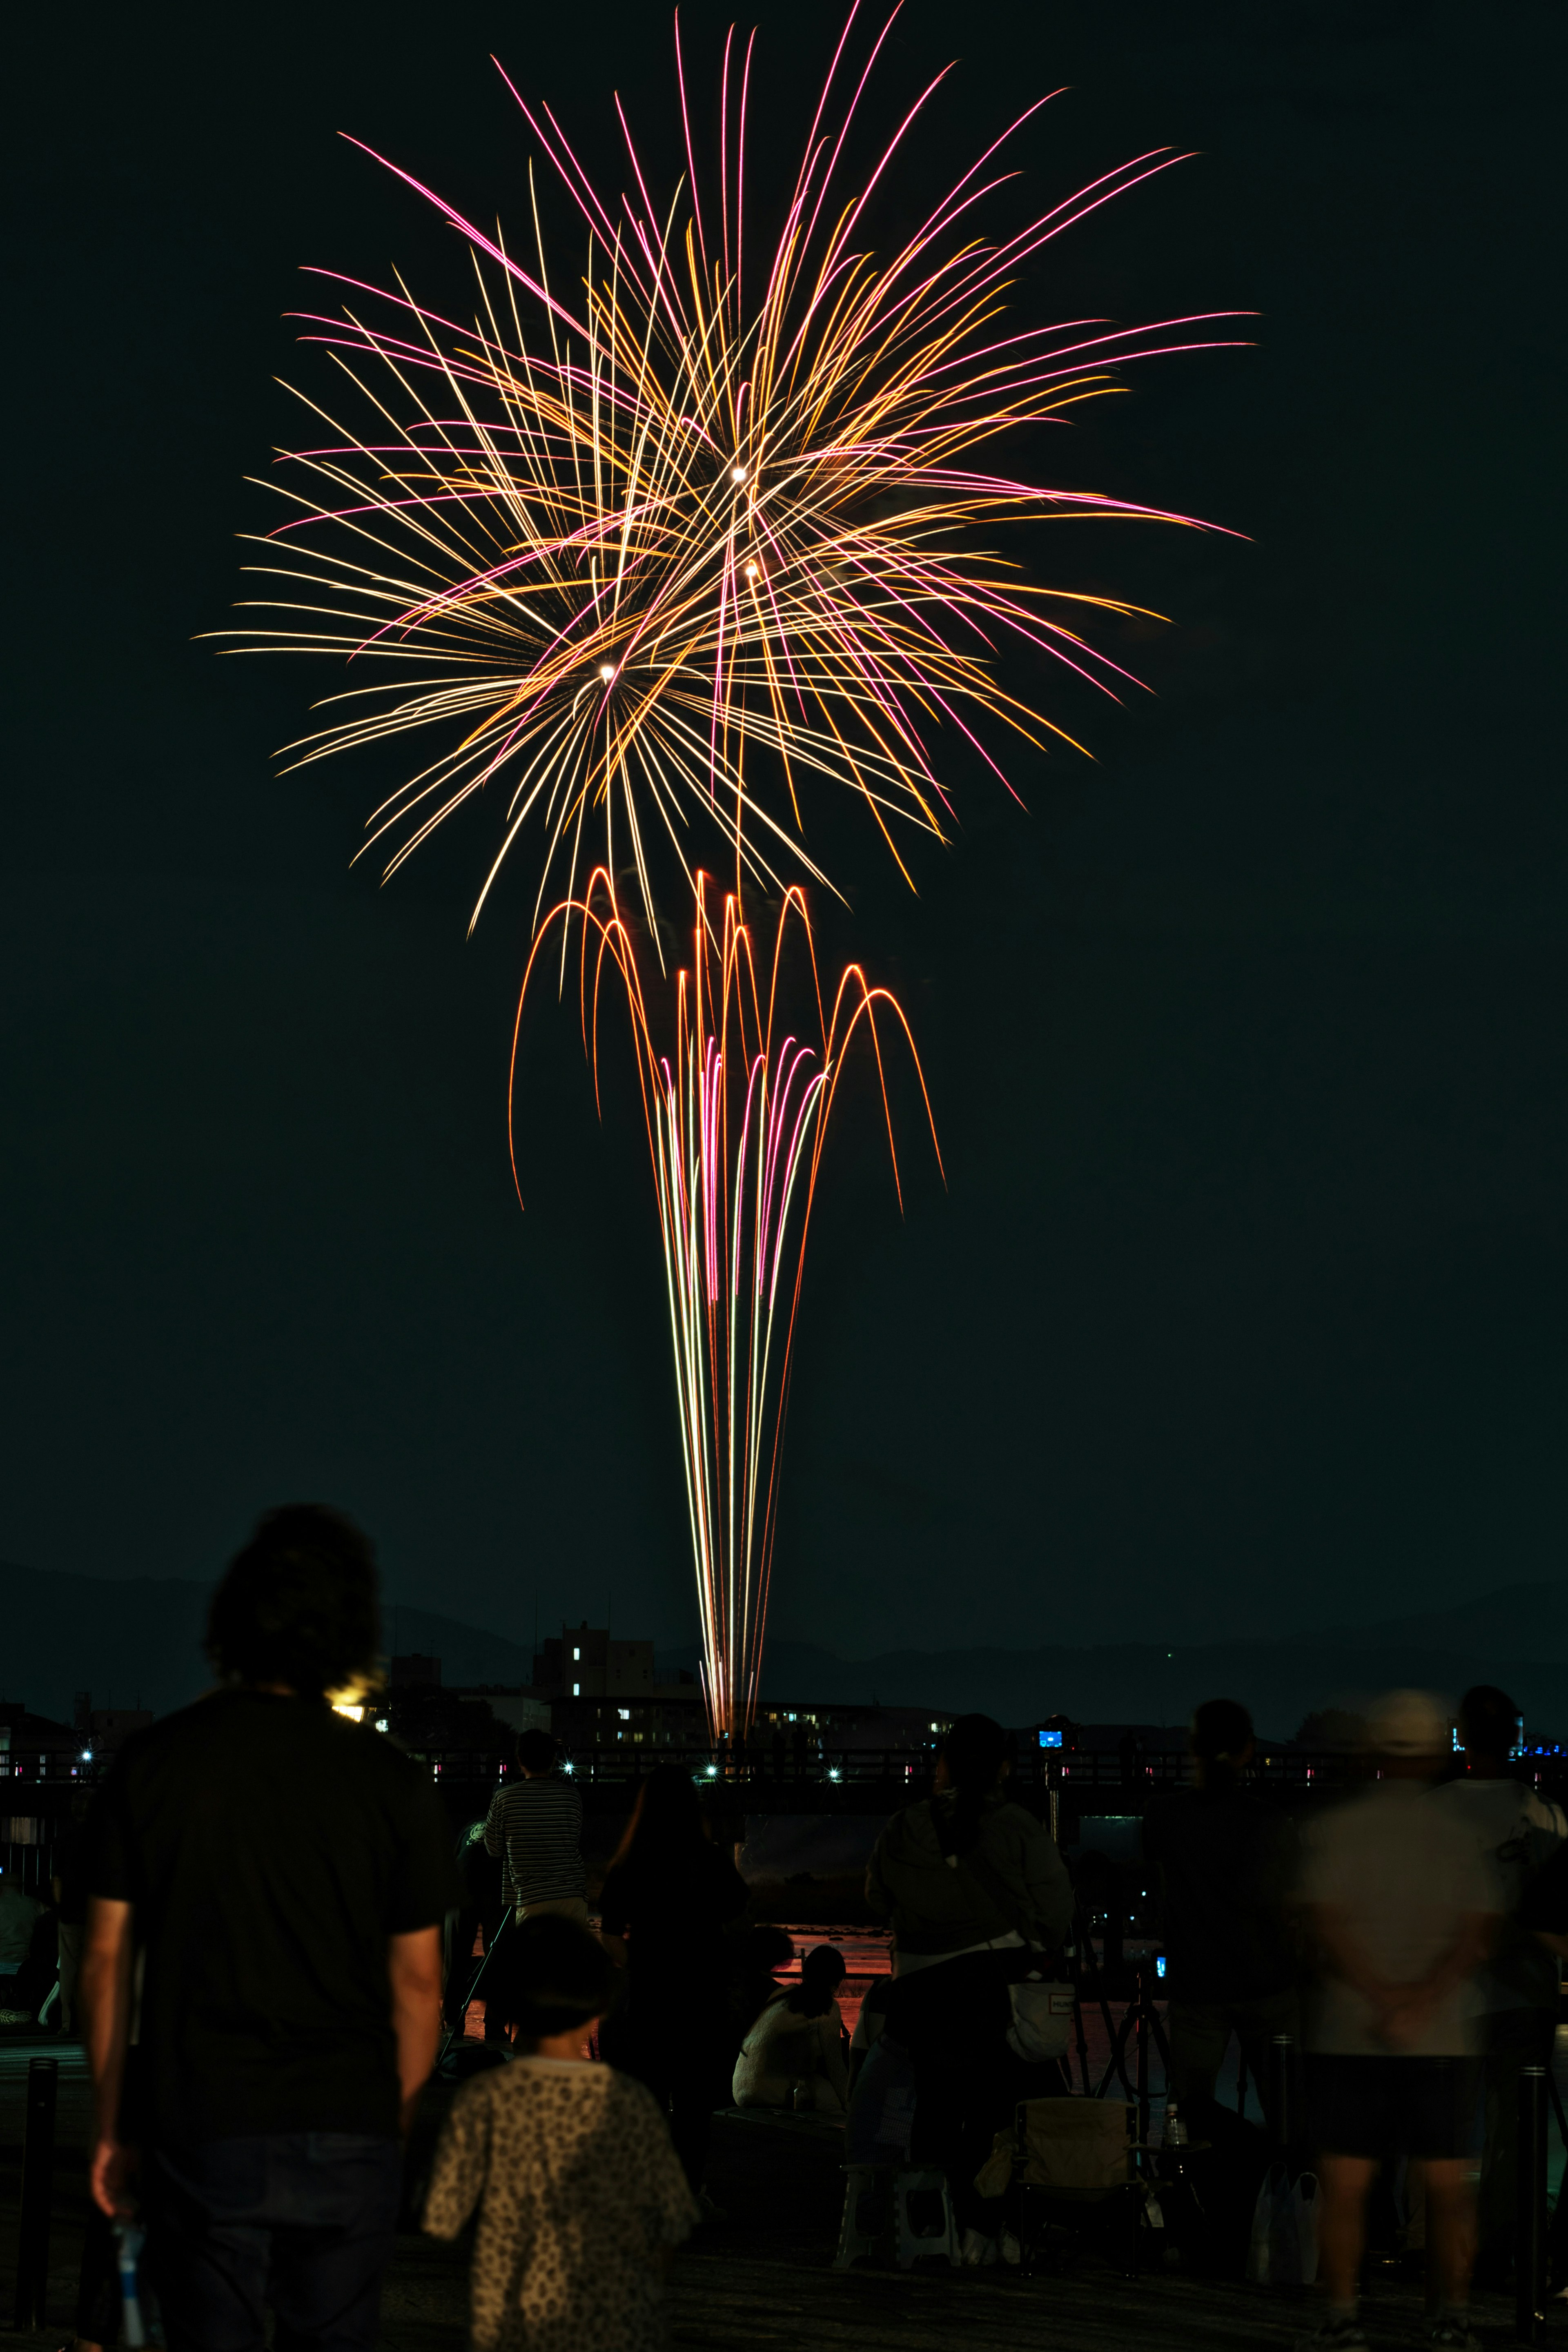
{"points": [[535, 1825]]}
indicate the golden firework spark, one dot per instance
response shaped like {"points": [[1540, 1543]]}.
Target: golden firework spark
{"points": [[679, 546]]}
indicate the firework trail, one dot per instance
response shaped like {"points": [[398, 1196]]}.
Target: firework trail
{"points": [[737, 1116], [675, 547]]}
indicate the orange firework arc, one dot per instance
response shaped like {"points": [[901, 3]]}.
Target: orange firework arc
{"points": [[672, 549], [737, 1116]]}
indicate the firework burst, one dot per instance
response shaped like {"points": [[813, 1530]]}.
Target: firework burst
{"points": [[677, 546], [737, 1115]]}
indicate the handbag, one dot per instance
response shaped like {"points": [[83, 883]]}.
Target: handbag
{"points": [[1284, 2249], [1042, 2018]]}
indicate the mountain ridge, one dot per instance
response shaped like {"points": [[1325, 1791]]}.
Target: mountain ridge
{"points": [[140, 1638]]}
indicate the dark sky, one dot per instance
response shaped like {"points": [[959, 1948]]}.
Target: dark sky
{"points": [[1244, 1306]]}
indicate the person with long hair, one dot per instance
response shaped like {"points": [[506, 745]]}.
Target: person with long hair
{"points": [[975, 1888], [669, 1896]]}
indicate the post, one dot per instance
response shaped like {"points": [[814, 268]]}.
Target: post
{"points": [[1281, 2117], [38, 2188], [1530, 2251], [1145, 2000]]}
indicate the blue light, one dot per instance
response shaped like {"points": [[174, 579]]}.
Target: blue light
{"points": [[1159, 1964], [1050, 1739]]}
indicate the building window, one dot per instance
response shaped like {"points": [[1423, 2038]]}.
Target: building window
{"points": [[577, 1657], [624, 1713], [576, 1690]]}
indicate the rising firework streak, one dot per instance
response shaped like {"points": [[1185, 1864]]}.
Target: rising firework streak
{"points": [[679, 546], [737, 1116]]}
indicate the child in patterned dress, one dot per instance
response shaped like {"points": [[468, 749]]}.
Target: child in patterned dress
{"points": [[581, 2197]]}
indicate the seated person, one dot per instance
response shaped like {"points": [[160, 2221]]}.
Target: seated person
{"points": [[794, 2054], [882, 2087]]}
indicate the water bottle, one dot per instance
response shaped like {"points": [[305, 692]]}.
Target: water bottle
{"points": [[1175, 2132], [131, 2241]]}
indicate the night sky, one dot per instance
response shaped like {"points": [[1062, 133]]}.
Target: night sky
{"points": [[1243, 1308]]}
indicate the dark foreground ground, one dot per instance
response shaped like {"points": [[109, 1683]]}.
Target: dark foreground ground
{"points": [[764, 2277]]}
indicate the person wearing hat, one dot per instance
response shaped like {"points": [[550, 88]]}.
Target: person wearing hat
{"points": [[1404, 1907]]}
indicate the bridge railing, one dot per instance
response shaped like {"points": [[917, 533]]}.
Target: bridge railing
{"points": [[1075, 1773], [1079, 1773]]}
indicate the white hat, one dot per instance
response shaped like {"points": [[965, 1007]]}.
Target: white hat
{"points": [[1409, 1723]]}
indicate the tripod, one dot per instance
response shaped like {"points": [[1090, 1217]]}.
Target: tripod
{"points": [[1139, 2023], [1083, 1968]]}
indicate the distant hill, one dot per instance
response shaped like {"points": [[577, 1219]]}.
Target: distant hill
{"points": [[1517, 1637], [137, 1640], [1516, 1621]]}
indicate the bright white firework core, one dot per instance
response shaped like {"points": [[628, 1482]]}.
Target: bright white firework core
{"points": [[737, 473], [607, 672]]}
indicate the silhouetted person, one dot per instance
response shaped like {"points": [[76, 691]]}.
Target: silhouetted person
{"points": [[1224, 1860], [535, 1825], [1516, 1832], [484, 1909], [669, 1896], [970, 1881], [70, 1903], [753, 1955], [581, 2200], [881, 2086], [1404, 1907], [272, 1877], [27, 1952]]}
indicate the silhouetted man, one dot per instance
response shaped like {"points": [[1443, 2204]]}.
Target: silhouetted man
{"points": [[273, 1877], [24, 1968], [535, 1824], [1516, 1832], [1225, 1862]]}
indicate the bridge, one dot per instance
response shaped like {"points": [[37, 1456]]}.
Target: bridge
{"points": [[1053, 1784]]}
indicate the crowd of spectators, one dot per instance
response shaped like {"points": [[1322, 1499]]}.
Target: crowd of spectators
{"points": [[268, 1945]]}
